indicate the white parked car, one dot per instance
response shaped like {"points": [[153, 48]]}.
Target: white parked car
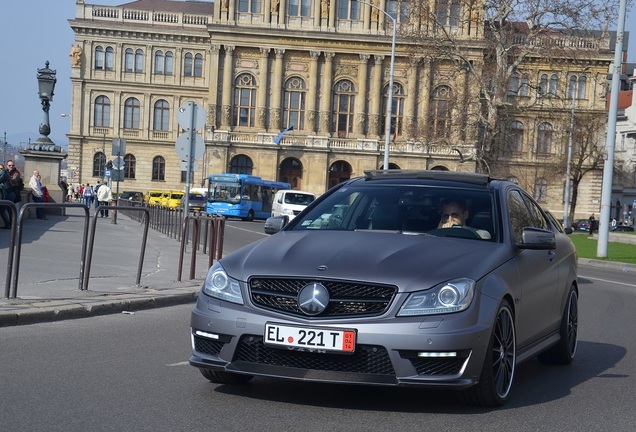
{"points": [[291, 202]]}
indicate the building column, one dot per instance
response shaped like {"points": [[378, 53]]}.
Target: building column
{"points": [[377, 96], [332, 13], [361, 99], [326, 94], [261, 97], [411, 100], [316, 13], [277, 80], [312, 92], [425, 96], [231, 14], [282, 11], [267, 12], [213, 88], [226, 99]]}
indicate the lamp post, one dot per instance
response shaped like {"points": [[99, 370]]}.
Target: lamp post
{"points": [[46, 87], [389, 104], [568, 169]]}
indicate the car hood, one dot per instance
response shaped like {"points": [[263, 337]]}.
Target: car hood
{"points": [[408, 261]]}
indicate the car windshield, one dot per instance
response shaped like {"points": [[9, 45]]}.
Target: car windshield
{"points": [[404, 209], [298, 198]]}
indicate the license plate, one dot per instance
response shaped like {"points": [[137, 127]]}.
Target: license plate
{"points": [[310, 338]]}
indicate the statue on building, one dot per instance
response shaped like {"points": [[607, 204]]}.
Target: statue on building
{"points": [[225, 4], [76, 55], [375, 14], [275, 4], [324, 8]]}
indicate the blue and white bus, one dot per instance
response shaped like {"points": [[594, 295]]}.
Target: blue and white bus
{"points": [[242, 196]]}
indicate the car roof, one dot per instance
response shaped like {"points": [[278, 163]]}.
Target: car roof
{"points": [[441, 178]]}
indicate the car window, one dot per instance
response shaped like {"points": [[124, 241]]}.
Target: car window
{"points": [[538, 220], [520, 216], [404, 209]]}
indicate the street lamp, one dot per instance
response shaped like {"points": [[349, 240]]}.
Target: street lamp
{"points": [[46, 86], [389, 104]]}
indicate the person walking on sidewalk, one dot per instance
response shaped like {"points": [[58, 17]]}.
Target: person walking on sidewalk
{"points": [[104, 197], [38, 195], [88, 195]]}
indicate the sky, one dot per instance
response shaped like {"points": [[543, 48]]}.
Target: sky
{"points": [[34, 31]]}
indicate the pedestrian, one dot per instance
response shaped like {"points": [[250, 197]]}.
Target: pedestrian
{"points": [[37, 194], [104, 197], [64, 187], [13, 185], [95, 189], [4, 212], [70, 193], [88, 195], [592, 221]]}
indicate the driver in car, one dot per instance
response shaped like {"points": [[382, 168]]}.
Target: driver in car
{"points": [[454, 215]]}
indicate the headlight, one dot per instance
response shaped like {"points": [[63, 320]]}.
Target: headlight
{"points": [[448, 297], [219, 285], [288, 212]]}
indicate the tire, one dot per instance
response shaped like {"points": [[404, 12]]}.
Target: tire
{"points": [[563, 352], [220, 377], [497, 374], [250, 216]]}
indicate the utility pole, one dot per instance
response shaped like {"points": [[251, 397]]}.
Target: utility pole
{"points": [[4, 155]]}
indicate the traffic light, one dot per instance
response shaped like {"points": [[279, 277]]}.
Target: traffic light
{"points": [[109, 165]]}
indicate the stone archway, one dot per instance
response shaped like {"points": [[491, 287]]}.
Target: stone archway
{"points": [[339, 171], [291, 171]]}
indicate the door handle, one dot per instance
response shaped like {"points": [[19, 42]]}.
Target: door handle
{"points": [[551, 255]]}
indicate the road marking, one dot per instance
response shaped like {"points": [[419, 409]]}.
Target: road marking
{"points": [[183, 363], [247, 230], [609, 281]]}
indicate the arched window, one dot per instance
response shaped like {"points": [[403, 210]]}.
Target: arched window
{"points": [[397, 109], [541, 190], [101, 115], [158, 168], [159, 63], [99, 163], [244, 100], [343, 106], [139, 60], [554, 84], [339, 171], [131, 113], [110, 59], [169, 64], [129, 60], [582, 88], [543, 85], [241, 164], [294, 103], [198, 65], [299, 8], [544, 138], [447, 12], [130, 166], [440, 112], [577, 87], [187, 65], [99, 58], [515, 136], [161, 115], [291, 171]]}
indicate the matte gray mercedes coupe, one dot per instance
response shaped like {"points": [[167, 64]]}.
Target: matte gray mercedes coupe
{"points": [[424, 278]]}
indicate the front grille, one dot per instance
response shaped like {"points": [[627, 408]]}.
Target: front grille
{"points": [[438, 366], [345, 298], [207, 346], [367, 359]]}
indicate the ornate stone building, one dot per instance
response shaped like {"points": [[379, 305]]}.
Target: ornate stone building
{"points": [[321, 66]]}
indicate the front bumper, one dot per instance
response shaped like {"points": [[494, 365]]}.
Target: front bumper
{"points": [[438, 351]]}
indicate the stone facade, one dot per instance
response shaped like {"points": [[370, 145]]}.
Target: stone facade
{"points": [[250, 69]]}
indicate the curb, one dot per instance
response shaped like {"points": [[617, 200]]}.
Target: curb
{"points": [[30, 314]]}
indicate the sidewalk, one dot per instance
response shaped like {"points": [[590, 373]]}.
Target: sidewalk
{"points": [[48, 280]]}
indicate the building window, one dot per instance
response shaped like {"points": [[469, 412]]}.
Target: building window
{"points": [[515, 137], [99, 58], [518, 85], [447, 12], [158, 168], [398, 9], [577, 87], [163, 63], [541, 190], [101, 116], [139, 60], [554, 85], [397, 109], [543, 85], [294, 103], [544, 138], [249, 6], [440, 112], [349, 10], [344, 106], [131, 113], [110, 59], [161, 116], [198, 65], [99, 163], [129, 60], [299, 8], [187, 65], [130, 166], [241, 164], [244, 100]]}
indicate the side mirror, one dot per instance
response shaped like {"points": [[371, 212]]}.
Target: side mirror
{"points": [[536, 238], [275, 224], [568, 230]]}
